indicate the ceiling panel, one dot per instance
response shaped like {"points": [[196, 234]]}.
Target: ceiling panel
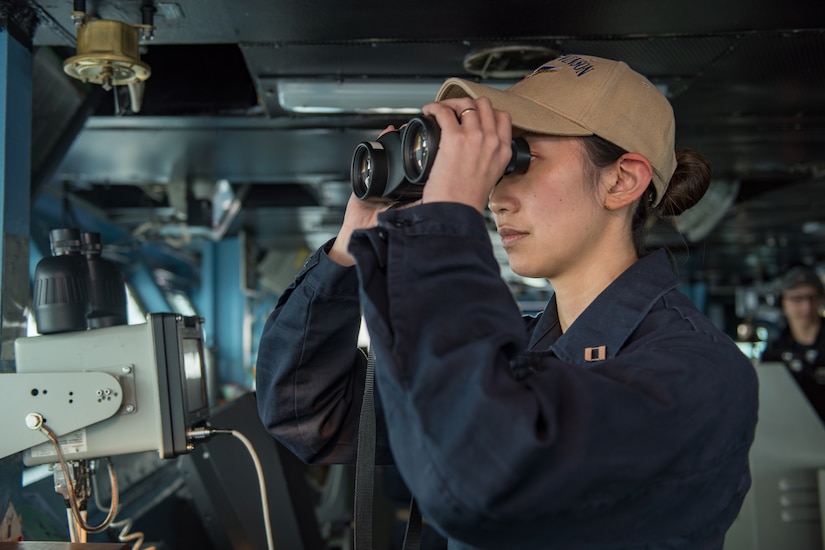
{"points": [[746, 80]]}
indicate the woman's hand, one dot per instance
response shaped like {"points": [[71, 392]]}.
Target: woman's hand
{"points": [[473, 152], [359, 215]]}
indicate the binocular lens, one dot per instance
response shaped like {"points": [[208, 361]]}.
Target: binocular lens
{"points": [[419, 153], [369, 169], [419, 144]]}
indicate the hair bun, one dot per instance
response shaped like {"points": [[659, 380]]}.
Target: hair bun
{"points": [[689, 183]]}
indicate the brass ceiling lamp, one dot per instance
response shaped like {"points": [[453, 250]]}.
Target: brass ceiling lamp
{"points": [[108, 52]]}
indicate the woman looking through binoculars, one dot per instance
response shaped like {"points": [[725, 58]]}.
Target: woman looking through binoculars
{"points": [[618, 418]]}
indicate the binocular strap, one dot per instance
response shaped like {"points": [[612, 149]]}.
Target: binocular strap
{"points": [[365, 474]]}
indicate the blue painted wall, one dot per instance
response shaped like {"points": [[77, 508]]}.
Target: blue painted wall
{"points": [[15, 168]]}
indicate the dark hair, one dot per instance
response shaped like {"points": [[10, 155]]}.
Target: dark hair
{"points": [[688, 184]]}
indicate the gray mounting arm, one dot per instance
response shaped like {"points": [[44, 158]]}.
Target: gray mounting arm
{"points": [[65, 401]]}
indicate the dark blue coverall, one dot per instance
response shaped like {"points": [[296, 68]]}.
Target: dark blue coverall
{"points": [[629, 430]]}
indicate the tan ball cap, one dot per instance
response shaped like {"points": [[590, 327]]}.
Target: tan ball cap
{"points": [[578, 95]]}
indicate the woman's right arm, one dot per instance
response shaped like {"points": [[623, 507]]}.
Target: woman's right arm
{"points": [[310, 372]]}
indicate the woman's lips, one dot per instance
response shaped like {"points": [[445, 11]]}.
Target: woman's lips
{"points": [[510, 236]]}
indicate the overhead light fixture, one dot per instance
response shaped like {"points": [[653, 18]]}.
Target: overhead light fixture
{"points": [[813, 228], [515, 61], [108, 52], [304, 96], [510, 61], [170, 11], [697, 222]]}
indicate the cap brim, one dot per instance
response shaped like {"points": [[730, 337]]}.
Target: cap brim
{"points": [[525, 113]]}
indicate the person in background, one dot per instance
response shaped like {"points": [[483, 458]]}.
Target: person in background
{"points": [[619, 418], [801, 344]]}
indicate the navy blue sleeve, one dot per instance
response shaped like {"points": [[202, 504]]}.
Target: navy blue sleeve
{"points": [[569, 453], [310, 372]]}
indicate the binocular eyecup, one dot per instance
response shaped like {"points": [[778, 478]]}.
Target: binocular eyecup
{"points": [[396, 166]]}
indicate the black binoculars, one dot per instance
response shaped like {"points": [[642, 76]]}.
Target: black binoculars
{"points": [[397, 165]]}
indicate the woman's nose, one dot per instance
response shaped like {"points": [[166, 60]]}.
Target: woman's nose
{"points": [[501, 197]]}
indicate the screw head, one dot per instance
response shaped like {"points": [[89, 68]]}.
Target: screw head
{"points": [[34, 421]]}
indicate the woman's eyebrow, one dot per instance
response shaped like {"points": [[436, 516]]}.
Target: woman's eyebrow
{"points": [[518, 132]]}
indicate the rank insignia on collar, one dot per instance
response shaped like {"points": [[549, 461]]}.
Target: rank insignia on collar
{"points": [[595, 354]]}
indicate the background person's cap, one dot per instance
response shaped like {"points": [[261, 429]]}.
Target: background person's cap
{"points": [[799, 276], [578, 95]]}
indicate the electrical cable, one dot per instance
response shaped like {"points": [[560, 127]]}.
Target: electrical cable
{"points": [[125, 525], [203, 433], [125, 536], [75, 508]]}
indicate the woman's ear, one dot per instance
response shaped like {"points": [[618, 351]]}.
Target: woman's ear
{"points": [[633, 175]]}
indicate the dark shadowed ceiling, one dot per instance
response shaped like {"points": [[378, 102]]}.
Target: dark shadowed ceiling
{"points": [[746, 79]]}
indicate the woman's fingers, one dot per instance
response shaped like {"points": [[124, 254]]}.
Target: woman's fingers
{"points": [[473, 151]]}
